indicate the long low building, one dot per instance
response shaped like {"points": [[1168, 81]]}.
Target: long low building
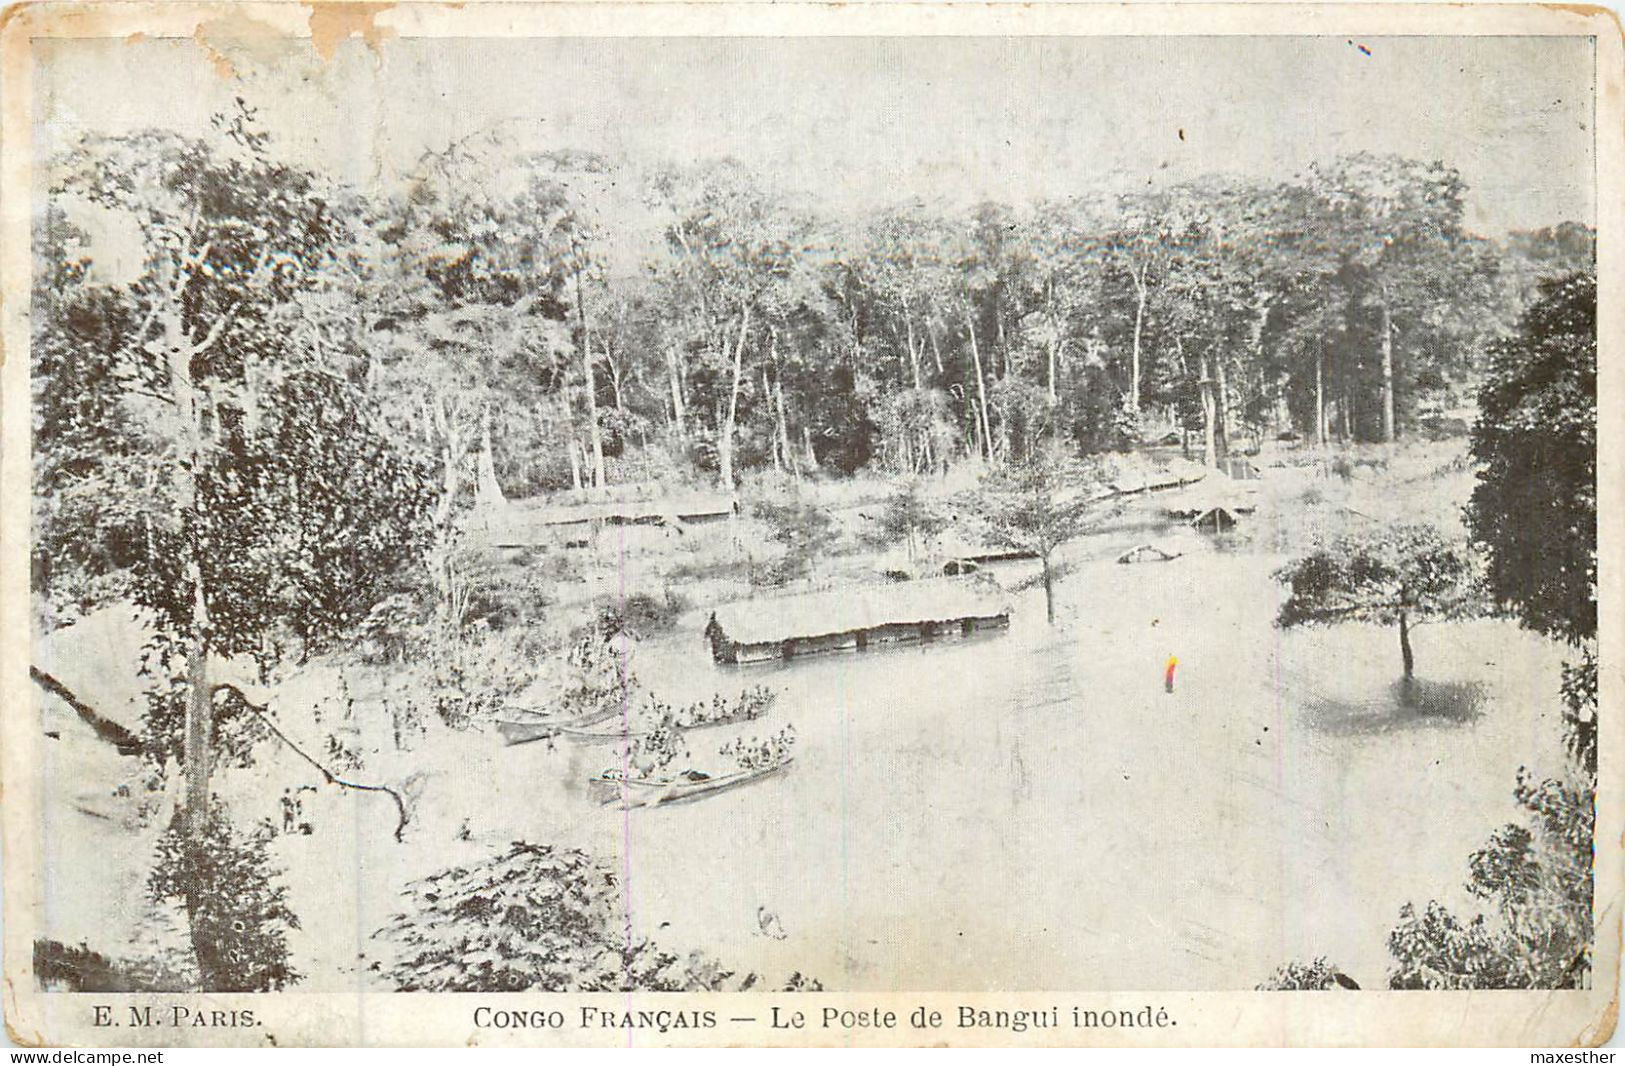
{"points": [[691, 508], [529, 523], [855, 618]]}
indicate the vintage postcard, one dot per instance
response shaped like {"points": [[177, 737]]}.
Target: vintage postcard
{"points": [[811, 524]]}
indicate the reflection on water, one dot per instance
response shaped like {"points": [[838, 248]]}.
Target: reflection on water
{"points": [[1415, 704]]}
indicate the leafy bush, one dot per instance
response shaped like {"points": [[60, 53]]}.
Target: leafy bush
{"points": [[640, 614], [806, 531], [1315, 976], [238, 912], [532, 918], [690, 572], [1538, 877], [500, 596], [1580, 711], [163, 724], [909, 517], [396, 629]]}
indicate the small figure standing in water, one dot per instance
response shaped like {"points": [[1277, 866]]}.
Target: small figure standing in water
{"points": [[305, 828], [287, 811], [1168, 675]]}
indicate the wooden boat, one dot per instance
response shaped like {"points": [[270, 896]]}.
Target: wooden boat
{"points": [[523, 731], [599, 736], [690, 785]]}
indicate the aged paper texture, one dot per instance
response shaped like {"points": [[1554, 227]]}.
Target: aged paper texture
{"points": [[713, 524]]}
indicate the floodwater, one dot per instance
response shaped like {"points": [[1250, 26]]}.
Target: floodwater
{"points": [[1033, 810], [1018, 811]]}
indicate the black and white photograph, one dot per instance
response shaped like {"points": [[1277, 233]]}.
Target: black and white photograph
{"points": [[583, 507]]}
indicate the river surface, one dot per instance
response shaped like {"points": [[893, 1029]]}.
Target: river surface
{"points": [[1019, 811], [1034, 810]]}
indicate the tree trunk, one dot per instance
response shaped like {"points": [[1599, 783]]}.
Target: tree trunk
{"points": [[677, 411], [1405, 653], [781, 459], [1139, 325], [591, 387], [1221, 407], [1001, 353], [1054, 340], [1210, 455], [199, 697], [487, 490], [614, 375], [1054, 347], [806, 442], [1320, 395], [439, 559], [198, 739], [725, 453], [1049, 591], [784, 429], [981, 386], [1387, 375], [913, 350]]}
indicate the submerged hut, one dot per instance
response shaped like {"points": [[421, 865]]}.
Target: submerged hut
{"points": [[1148, 553], [855, 618], [1214, 506], [1215, 520], [528, 524], [952, 544], [1137, 474]]}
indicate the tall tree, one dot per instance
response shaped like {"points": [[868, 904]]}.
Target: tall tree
{"points": [[1534, 509], [1396, 225], [226, 482], [728, 243], [1041, 504], [1402, 575], [222, 238]]}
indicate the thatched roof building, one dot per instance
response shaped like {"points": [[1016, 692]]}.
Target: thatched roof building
{"points": [[1216, 519], [525, 523], [1215, 504], [1138, 473], [855, 617], [694, 507], [955, 543]]}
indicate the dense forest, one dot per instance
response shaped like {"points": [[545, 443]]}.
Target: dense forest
{"points": [[592, 322]]}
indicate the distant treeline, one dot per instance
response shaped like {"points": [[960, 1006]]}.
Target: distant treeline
{"points": [[535, 321]]}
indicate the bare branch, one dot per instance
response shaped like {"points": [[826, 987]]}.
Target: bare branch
{"points": [[225, 319], [126, 742], [328, 775]]}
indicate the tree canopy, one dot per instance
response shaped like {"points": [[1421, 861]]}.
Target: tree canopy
{"points": [[1393, 575], [1534, 510]]}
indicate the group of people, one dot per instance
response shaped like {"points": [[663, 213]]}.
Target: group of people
{"points": [[757, 754], [657, 751], [294, 819], [751, 705]]}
